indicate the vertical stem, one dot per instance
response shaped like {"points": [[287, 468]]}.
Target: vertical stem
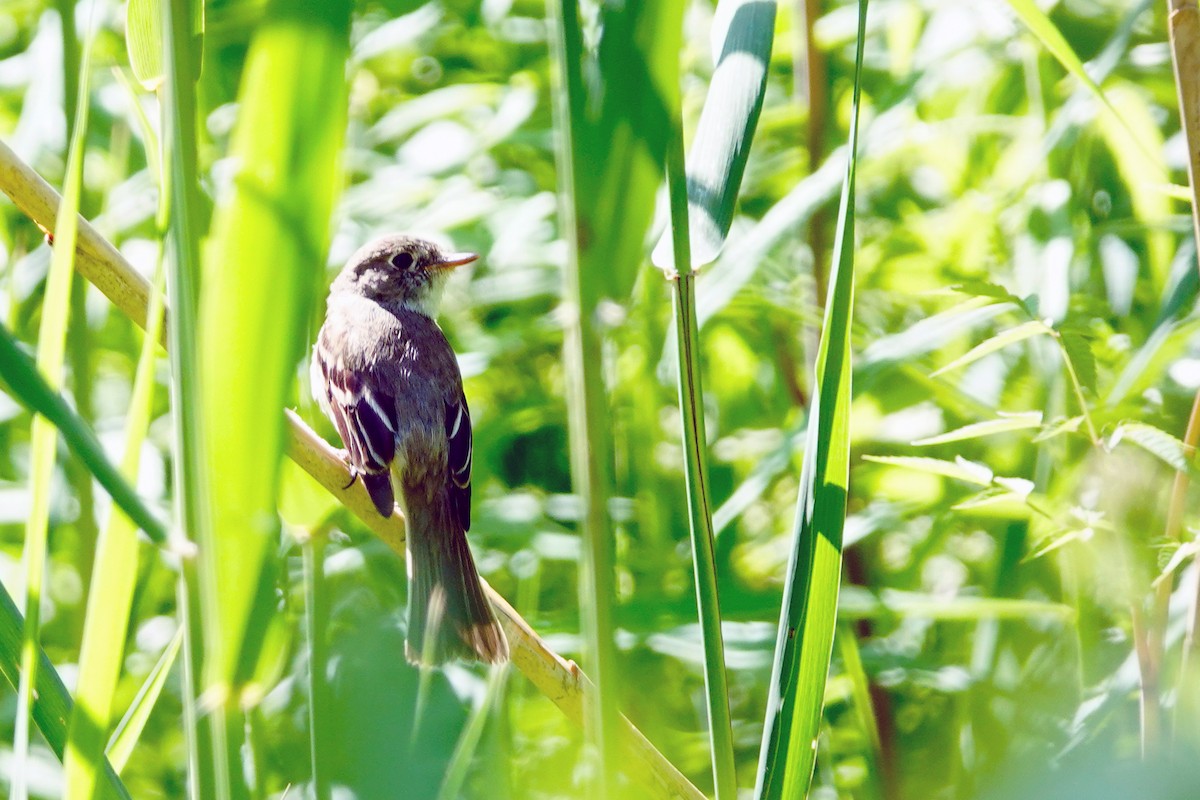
{"points": [[78, 347], [1183, 22], [180, 192], [587, 414], [316, 614], [691, 409]]}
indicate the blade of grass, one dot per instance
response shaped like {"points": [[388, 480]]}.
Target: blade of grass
{"points": [[1045, 31], [51, 347], [555, 677], [809, 613], [261, 274], [29, 388], [52, 706], [468, 740], [864, 708], [129, 729], [114, 576]]}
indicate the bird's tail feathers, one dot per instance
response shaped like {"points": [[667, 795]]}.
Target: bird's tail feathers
{"points": [[449, 616]]}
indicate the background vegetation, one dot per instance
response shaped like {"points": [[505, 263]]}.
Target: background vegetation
{"points": [[1026, 362]]}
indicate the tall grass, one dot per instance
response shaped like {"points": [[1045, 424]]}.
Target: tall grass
{"points": [[612, 135], [810, 598], [51, 345]]}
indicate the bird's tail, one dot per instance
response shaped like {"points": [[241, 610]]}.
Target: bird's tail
{"points": [[449, 617]]}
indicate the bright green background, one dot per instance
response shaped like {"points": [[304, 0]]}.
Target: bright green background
{"points": [[981, 160]]}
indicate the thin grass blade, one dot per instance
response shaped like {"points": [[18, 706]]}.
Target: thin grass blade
{"points": [[810, 599], [52, 335], [114, 576], [129, 729], [19, 371], [52, 708]]}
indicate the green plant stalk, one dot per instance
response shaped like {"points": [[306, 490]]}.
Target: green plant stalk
{"points": [[262, 269], [114, 576], [587, 418], [316, 616], [559, 680], [691, 409], [809, 615], [52, 708], [847, 641], [51, 349], [180, 189]]}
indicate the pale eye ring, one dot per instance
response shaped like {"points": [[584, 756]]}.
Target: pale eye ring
{"points": [[402, 260]]}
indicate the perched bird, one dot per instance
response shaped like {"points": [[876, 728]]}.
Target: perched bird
{"points": [[384, 373]]}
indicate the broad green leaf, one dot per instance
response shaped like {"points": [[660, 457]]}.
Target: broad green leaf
{"points": [[1078, 349], [1158, 443], [743, 32], [810, 599], [1001, 340], [1004, 424], [262, 267]]}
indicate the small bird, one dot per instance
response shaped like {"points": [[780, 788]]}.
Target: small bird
{"points": [[385, 375]]}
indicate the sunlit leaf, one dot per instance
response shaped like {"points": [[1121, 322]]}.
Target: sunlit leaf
{"points": [[1156, 442], [998, 342], [1004, 424]]}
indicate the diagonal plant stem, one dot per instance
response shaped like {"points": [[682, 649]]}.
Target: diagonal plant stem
{"points": [[560, 680]]}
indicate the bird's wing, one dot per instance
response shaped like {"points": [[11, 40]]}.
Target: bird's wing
{"points": [[361, 411], [458, 459]]}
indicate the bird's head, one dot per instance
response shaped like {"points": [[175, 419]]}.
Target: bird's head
{"points": [[401, 269]]}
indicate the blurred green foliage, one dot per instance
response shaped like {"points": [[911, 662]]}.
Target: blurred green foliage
{"points": [[984, 165]]}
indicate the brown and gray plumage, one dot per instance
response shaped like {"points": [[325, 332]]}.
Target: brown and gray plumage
{"points": [[384, 373]]}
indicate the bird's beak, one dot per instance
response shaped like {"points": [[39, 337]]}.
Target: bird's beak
{"points": [[455, 260]]}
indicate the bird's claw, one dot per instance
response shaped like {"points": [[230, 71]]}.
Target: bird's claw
{"points": [[345, 456]]}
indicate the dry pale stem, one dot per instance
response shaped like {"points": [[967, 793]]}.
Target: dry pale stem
{"points": [[1183, 22], [560, 680]]}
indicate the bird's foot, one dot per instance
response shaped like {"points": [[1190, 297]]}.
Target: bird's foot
{"points": [[345, 456]]}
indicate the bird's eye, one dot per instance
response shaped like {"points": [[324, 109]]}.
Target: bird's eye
{"points": [[402, 261]]}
